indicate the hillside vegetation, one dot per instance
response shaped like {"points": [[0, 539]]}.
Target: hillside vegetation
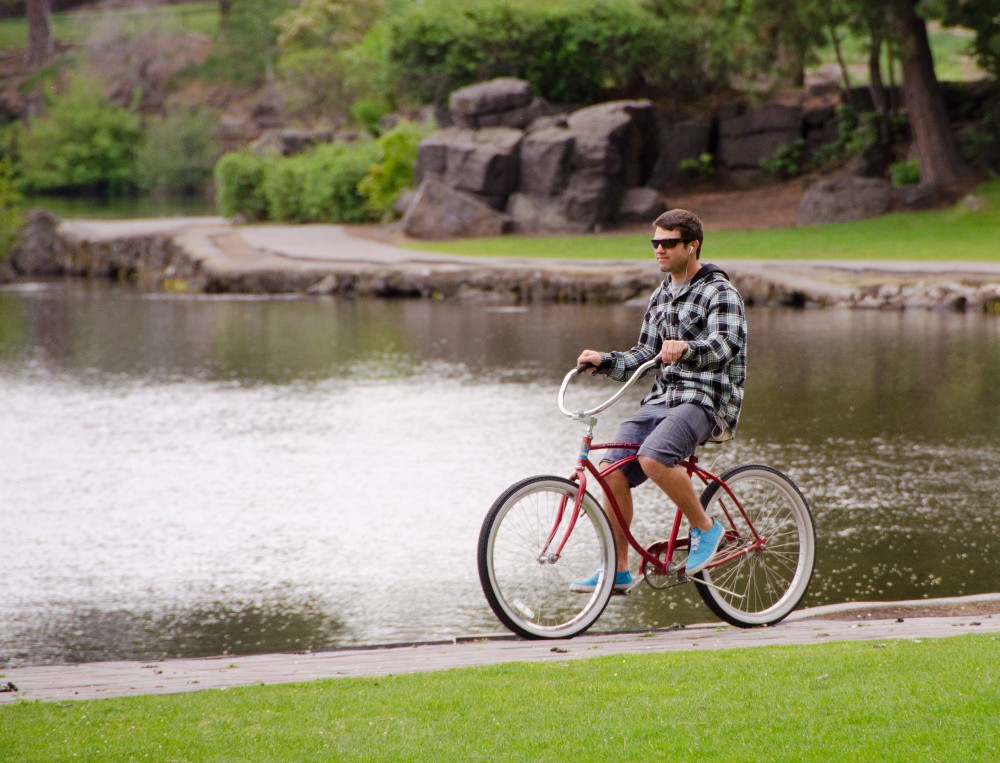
{"points": [[149, 100]]}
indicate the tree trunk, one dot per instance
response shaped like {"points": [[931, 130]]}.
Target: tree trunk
{"points": [[41, 41], [880, 99], [940, 163]]}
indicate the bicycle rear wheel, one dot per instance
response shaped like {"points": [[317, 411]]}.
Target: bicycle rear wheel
{"points": [[525, 583], [764, 585]]}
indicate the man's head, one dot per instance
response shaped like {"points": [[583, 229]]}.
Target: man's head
{"points": [[686, 224]]}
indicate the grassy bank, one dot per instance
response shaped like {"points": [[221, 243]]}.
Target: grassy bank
{"points": [[959, 233], [935, 699], [77, 26]]}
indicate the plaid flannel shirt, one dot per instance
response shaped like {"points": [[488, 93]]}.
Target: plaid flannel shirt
{"points": [[707, 313]]}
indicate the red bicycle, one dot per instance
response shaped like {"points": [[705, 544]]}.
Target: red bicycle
{"points": [[544, 532]]}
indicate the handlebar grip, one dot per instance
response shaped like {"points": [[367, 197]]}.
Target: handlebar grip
{"points": [[584, 366]]}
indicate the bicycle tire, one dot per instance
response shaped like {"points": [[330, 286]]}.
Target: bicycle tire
{"points": [[773, 579], [527, 589]]}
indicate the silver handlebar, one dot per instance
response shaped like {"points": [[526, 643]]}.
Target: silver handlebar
{"points": [[581, 415]]}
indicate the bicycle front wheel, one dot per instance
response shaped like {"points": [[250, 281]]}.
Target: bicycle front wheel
{"points": [[765, 584], [525, 578]]}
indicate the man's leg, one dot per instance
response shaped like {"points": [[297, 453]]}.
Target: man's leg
{"points": [[623, 497], [675, 482], [682, 429]]}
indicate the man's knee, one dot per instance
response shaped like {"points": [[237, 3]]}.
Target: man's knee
{"points": [[650, 465]]}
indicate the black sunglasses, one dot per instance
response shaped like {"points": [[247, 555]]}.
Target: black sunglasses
{"points": [[667, 243]]}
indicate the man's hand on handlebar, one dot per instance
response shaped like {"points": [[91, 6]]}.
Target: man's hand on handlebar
{"points": [[591, 358], [671, 350]]}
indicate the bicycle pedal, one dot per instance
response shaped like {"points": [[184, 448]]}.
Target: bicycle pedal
{"points": [[626, 591]]}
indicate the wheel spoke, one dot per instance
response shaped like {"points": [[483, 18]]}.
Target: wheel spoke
{"points": [[527, 589], [770, 580]]}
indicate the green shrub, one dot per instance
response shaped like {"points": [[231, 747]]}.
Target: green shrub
{"points": [[246, 44], [179, 152], [787, 161], [239, 185], [83, 143], [368, 112], [320, 185], [906, 172], [10, 209], [703, 165], [393, 170], [284, 187], [574, 53], [331, 184]]}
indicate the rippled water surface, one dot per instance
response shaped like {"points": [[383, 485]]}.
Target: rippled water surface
{"points": [[202, 476]]}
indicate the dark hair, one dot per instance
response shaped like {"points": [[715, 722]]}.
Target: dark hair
{"points": [[686, 222]]}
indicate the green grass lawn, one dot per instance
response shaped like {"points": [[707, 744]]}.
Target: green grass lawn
{"points": [[77, 26], [905, 700], [958, 234]]}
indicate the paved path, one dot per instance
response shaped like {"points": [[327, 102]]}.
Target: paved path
{"points": [[861, 622], [320, 242]]}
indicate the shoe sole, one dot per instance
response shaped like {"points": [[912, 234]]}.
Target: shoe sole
{"points": [[618, 589]]}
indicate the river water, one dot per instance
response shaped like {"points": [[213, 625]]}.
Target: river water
{"points": [[197, 476]]}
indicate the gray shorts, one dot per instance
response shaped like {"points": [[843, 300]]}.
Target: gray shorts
{"points": [[667, 435]]}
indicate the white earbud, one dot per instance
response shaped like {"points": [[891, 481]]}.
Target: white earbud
{"points": [[690, 250]]}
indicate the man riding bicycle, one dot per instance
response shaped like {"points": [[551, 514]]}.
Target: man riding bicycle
{"points": [[695, 323]]}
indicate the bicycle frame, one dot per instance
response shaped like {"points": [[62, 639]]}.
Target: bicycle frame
{"points": [[585, 466]]}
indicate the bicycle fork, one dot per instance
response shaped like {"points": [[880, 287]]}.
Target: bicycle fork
{"points": [[545, 556]]}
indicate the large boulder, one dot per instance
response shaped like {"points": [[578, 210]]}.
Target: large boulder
{"points": [[617, 138], [748, 134], [641, 205], [843, 199], [546, 157], [484, 162], [37, 252], [541, 214], [687, 139], [438, 211], [613, 150], [501, 102]]}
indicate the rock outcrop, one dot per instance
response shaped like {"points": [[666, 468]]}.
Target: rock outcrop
{"points": [[547, 172]]}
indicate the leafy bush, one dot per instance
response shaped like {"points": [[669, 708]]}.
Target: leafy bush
{"points": [[246, 44], [83, 143], [330, 56], [320, 185], [788, 161], [239, 185], [10, 209], [393, 170], [284, 185], [368, 112], [906, 172], [575, 53], [331, 185], [179, 152], [703, 165]]}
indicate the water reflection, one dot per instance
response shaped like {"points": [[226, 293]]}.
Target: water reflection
{"points": [[81, 634], [206, 475]]}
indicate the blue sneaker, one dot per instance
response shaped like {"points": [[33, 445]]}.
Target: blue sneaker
{"points": [[623, 582], [704, 544]]}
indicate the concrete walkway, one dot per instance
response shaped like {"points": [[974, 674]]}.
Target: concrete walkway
{"points": [[324, 259], [877, 621]]}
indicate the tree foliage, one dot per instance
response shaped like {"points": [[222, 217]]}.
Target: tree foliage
{"points": [[578, 53], [83, 143], [246, 45], [330, 56], [982, 17]]}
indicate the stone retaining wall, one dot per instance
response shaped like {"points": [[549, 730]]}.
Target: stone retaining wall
{"points": [[218, 261]]}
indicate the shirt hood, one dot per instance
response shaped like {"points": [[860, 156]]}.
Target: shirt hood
{"points": [[706, 271]]}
